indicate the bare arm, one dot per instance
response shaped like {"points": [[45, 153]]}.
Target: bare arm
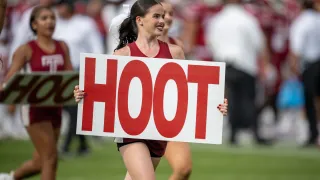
{"points": [[294, 63], [179, 43], [265, 56], [176, 52], [20, 57], [125, 51], [264, 52], [68, 64], [3, 7]]}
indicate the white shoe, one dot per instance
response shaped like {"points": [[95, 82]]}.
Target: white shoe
{"points": [[6, 176]]}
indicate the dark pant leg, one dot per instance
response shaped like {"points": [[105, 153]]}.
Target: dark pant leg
{"points": [[241, 96], [72, 110], [309, 79]]}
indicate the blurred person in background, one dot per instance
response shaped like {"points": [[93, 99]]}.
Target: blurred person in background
{"points": [[3, 61], [177, 19], [290, 103], [10, 123], [274, 25], [236, 38], [21, 35], [263, 11], [94, 10], [292, 9], [3, 58], [275, 18], [196, 15], [168, 19], [16, 11], [82, 36], [42, 123], [305, 60]]}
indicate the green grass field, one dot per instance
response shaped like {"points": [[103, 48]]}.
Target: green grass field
{"points": [[210, 162]]}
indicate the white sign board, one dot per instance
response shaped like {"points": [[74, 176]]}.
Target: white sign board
{"points": [[148, 98]]}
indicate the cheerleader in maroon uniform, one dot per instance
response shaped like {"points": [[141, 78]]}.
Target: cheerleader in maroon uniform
{"points": [[168, 18], [42, 123], [138, 37]]}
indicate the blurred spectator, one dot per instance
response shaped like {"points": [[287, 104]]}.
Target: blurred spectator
{"points": [[237, 39], [196, 16], [305, 58], [10, 124], [275, 28], [290, 102], [94, 10], [15, 13], [82, 36], [87, 37]]}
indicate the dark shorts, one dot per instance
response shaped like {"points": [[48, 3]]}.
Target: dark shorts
{"points": [[156, 148], [31, 115]]}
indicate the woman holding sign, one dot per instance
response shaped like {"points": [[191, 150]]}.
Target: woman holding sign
{"points": [[138, 37], [43, 54]]}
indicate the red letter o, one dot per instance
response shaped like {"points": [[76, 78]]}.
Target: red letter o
{"points": [[170, 129], [135, 126]]}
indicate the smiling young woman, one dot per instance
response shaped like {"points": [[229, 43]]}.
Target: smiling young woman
{"points": [[138, 35]]}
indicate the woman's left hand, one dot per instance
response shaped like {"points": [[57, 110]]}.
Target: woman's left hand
{"points": [[223, 108]]}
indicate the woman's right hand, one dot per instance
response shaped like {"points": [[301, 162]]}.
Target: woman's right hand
{"points": [[78, 94]]}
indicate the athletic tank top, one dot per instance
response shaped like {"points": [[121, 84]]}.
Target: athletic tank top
{"points": [[44, 61], [172, 41], [164, 51]]}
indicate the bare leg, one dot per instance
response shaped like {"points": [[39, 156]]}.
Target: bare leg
{"points": [[136, 157], [155, 162], [44, 138], [33, 166], [178, 155]]}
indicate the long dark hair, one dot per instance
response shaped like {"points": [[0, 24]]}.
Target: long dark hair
{"points": [[128, 30], [35, 13]]}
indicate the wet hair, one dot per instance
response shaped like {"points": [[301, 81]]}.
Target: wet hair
{"points": [[35, 13], [128, 30]]}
